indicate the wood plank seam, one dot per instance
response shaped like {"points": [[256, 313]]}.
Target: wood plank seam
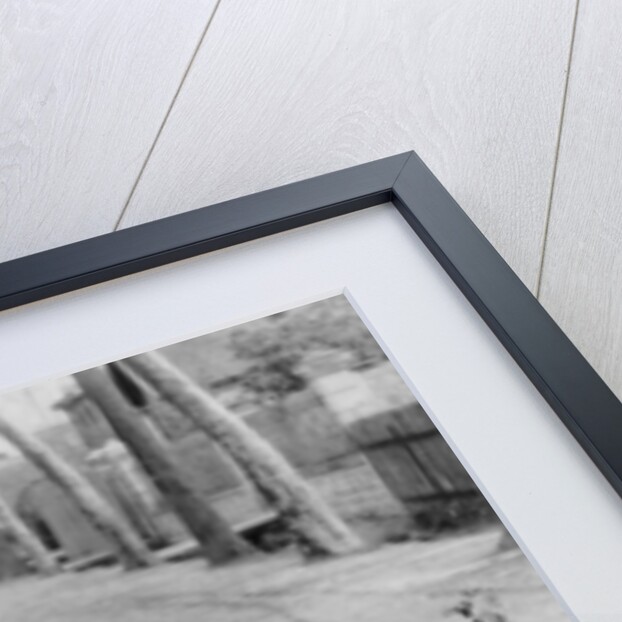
{"points": [[167, 115], [547, 217]]}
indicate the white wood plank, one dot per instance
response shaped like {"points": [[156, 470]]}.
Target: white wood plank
{"points": [[582, 275], [84, 87], [281, 91]]}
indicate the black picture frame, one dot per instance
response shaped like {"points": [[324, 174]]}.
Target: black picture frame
{"points": [[572, 388]]}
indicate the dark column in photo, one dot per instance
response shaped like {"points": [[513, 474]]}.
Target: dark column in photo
{"points": [[16, 530], [123, 405], [318, 528], [131, 549]]}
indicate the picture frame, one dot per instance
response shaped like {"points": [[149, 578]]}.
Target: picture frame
{"points": [[572, 388]]}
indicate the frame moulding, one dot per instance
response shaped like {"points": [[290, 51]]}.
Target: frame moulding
{"points": [[572, 388]]}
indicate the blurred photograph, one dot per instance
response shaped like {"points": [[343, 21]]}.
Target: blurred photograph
{"points": [[276, 471]]}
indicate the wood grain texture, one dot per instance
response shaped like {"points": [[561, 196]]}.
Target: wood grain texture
{"points": [[84, 87], [282, 91], [582, 270]]}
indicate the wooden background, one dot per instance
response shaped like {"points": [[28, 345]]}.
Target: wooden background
{"points": [[116, 113]]}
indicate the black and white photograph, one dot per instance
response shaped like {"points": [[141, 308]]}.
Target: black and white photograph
{"points": [[279, 470]]}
